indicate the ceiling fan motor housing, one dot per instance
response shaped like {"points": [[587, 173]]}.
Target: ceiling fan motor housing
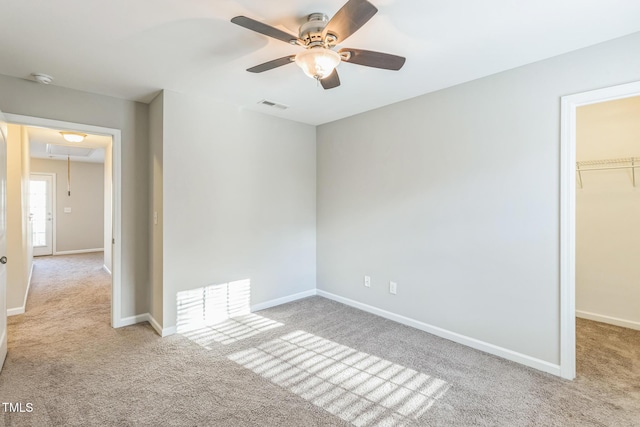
{"points": [[311, 31]]}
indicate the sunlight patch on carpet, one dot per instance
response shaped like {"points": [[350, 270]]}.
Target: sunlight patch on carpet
{"points": [[360, 388], [219, 314]]}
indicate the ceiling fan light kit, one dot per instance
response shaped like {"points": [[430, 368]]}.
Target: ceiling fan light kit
{"points": [[319, 36], [318, 62]]}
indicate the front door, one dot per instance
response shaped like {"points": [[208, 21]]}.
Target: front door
{"points": [[3, 240], [41, 209]]}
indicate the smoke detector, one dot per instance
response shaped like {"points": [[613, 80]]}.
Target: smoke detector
{"points": [[42, 78]]}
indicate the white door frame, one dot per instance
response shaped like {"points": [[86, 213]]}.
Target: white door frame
{"points": [[116, 267], [53, 207], [570, 103], [3, 239]]}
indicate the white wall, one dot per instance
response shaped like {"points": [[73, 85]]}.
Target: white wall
{"points": [[455, 195], [608, 215], [239, 200], [58, 103], [19, 249], [82, 228]]}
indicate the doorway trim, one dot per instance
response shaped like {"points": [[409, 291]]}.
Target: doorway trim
{"points": [[116, 213], [568, 137]]}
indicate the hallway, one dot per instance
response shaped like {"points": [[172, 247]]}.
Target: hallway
{"points": [[67, 292]]}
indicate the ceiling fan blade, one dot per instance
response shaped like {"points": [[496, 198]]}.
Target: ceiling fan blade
{"points": [[353, 15], [265, 29], [331, 81], [270, 65], [374, 59]]}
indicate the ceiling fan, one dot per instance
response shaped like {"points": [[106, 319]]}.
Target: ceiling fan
{"points": [[318, 36]]}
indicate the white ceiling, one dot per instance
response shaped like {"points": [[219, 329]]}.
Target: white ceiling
{"points": [[131, 49], [39, 138]]}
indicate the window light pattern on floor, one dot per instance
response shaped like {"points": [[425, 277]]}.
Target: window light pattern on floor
{"points": [[231, 330], [355, 386], [219, 314]]}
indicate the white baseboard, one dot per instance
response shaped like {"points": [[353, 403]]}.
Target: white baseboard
{"points": [[452, 336], [79, 251], [132, 320], [21, 310], [15, 311], [3, 347], [162, 332], [154, 324], [26, 294], [146, 317], [283, 300], [608, 319], [105, 268], [171, 330], [33, 264]]}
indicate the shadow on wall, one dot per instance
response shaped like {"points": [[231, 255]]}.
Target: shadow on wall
{"points": [[219, 314], [358, 387]]}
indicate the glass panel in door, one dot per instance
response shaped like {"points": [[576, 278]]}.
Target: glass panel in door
{"points": [[41, 209]]}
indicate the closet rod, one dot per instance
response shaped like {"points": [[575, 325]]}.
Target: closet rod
{"points": [[611, 167], [633, 160]]}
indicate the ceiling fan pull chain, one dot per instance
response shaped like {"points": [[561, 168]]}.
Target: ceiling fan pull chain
{"points": [[68, 176]]}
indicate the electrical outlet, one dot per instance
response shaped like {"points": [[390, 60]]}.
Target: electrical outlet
{"points": [[367, 281], [393, 288]]}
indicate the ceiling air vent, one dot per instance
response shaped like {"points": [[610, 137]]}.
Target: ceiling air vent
{"points": [[64, 150], [272, 104]]}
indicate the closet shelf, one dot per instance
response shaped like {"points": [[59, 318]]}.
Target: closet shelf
{"points": [[606, 164]]}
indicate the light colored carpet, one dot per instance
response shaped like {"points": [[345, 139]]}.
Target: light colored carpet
{"points": [[313, 362]]}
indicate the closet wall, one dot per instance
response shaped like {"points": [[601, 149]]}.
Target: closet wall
{"points": [[608, 214]]}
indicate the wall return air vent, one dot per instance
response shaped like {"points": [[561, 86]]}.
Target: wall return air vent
{"points": [[272, 104]]}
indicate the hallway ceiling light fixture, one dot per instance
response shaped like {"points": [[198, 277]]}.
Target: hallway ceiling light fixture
{"points": [[73, 136]]}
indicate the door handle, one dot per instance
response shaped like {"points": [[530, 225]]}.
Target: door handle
{"points": [[3, 260]]}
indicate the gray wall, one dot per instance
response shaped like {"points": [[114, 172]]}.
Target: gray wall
{"points": [[52, 102], [455, 195], [239, 201], [83, 228]]}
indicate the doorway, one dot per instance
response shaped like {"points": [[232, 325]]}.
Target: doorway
{"points": [[568, 188], [113, 229], [42, 208]]}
